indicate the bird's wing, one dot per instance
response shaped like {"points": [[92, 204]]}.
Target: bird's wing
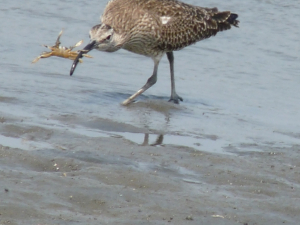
{"points": [[180, 24]]}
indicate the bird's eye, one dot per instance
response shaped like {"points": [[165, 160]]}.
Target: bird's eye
{"points": [[108, 37]]}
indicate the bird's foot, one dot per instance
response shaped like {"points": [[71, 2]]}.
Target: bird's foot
{"points": [[127, 102], [175, 99]]}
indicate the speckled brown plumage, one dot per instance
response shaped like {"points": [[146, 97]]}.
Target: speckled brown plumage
{"points": [[141, 21], [154, 28]]}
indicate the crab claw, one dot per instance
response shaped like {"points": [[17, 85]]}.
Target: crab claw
{"points": [[76, 45], [57, 43]]}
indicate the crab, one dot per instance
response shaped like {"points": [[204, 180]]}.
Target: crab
{"points": [[61, 51]]}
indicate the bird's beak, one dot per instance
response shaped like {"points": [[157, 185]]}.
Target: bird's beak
{"points": [[86, 49]]}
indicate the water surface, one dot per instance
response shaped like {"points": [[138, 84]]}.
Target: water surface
{"points": [[241, 86], [70, 153]]}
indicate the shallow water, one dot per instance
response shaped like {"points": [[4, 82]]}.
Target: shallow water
{"points": [[241, 86], [241, 98]]}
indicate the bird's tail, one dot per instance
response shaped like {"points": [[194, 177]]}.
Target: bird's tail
{"points": [[225, 20]]}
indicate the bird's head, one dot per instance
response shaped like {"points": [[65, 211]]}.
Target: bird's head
{"points": [[103, 38]]}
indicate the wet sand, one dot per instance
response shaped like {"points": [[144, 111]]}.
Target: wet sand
{"points": [[228, 154], [57, 176]]}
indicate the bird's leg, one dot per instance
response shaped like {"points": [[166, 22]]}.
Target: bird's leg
{"points": [[152, 80], [174, 96]]}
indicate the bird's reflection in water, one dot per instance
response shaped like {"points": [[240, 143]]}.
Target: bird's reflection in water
{"points": [[158, 141], [155, 117]]}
